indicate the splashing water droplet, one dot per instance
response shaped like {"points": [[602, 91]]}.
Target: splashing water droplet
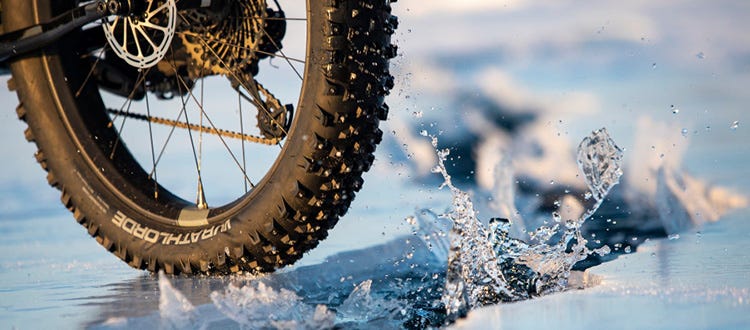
{"points": [[556, 216], [411, 220], [603, 251], [599, 160]]}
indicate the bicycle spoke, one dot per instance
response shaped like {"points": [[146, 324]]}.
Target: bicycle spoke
{"points": [[201, 200], [201, 194], [282, 53], [119, 131], [211, 124], [141, 78], [153, 155], [128, 101], [242, 131], [91, 71]]}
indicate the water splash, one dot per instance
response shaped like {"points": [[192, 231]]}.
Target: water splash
{"points": [[175, 311], [362, 306], [258, 306], [486, 266]]}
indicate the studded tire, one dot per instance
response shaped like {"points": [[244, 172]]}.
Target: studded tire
{"points": [[308, 188]]}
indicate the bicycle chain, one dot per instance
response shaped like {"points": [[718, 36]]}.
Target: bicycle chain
{"points": [[195, 127], [211, 130]]}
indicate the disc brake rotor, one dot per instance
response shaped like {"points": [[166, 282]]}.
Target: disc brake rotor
{"points": [[142, 40]]}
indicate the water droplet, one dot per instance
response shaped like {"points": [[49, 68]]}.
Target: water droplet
{"points": [[627, 249], [602, 251], [551, 181], [417, 114], [700, 55], [735, 125], [684, 132], [411, 220], [423, 132], [673, 237], [653, 66], [587, 196], [675, 110]]}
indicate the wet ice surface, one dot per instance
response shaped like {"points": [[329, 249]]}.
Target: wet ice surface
{"points": [[392, 280], [402, 282]]}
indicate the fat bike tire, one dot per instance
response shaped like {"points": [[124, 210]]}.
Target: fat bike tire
{"points": [[307, 189]]}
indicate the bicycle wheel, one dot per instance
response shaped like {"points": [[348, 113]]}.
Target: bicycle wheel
{"points": [[208, 140]]}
